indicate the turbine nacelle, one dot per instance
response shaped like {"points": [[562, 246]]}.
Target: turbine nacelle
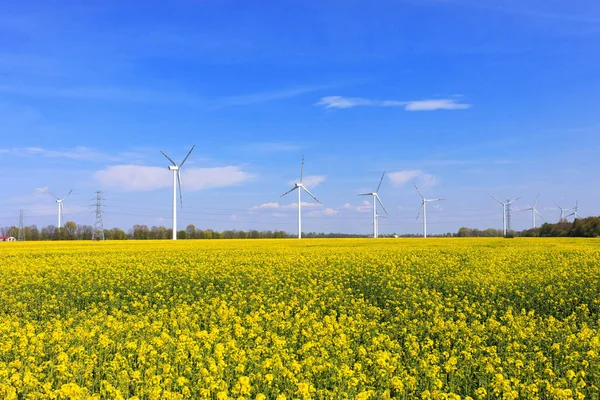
{"points": [[173, 168]]}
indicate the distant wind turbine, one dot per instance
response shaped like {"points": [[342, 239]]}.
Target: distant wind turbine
{"points": [[60, 206], [300, 187], [562, 212], [534, 211], [423, 208], [575, 214], [375, 200], [177, 182], [504, 209]]}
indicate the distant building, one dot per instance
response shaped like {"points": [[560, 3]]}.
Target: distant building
{"points": [[7, 239]]}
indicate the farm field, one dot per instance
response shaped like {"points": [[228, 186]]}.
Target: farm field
{"points": [[289, 319]]}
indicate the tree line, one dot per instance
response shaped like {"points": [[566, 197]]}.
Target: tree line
{"points": [[72, 231], [586, 227]]}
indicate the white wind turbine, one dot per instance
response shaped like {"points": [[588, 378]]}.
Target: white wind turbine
{"points": [[177, 181], [299, 186], [575, 213], [504, 209], [534, 211], [60, 205], [375, 200], [423, 208], [562, 211]]}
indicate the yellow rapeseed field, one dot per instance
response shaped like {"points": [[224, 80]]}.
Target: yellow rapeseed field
{"points": [[289, 319]]}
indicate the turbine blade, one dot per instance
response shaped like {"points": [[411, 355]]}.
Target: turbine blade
{"points": [[536, 200], [291, 190], [302, 169], [64, 198], [423, 197], [312, 195], [365, 194], [496, 200], [380, 181], [57, 198], [538, 213], [557, 204], [420, 209], [186, 157], [381, 204], [168, 158], [512, 201], [436, 199], [179, 184]]}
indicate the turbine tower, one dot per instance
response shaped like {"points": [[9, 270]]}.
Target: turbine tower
{"points": [[575, 214], [423, 208], [504, 209], [562, 212], [534, 211], [375, 200], [60, 205], [177, 182], [299, 187]]}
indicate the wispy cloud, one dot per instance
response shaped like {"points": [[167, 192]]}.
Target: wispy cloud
{"points": [[327, 212], [44, 189], [363, 207], [80, 153], [277, 206], [144, 178], [155, 96], [332, 102], [262, 97], [271, 147], [400, 178], [105, 93], [521, 9], [311, 181]]}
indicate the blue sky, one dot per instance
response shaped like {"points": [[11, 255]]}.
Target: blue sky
{"points": [[466, 98]]}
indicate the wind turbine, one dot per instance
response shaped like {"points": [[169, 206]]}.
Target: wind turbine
{"points": [[504, 208], [534, 210], [177, 181], [575, 213], [60, 205], [299, 186], [375, 200], [562, 211], [424, 202]]}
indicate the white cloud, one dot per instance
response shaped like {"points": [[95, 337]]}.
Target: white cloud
{"points": [[291, 206], [311, 181], [331, 102], [267, 205], [143, 178], [400, 178], [44, 189], [343, 102], [431, 105], [326, 212], [365, 206]]}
